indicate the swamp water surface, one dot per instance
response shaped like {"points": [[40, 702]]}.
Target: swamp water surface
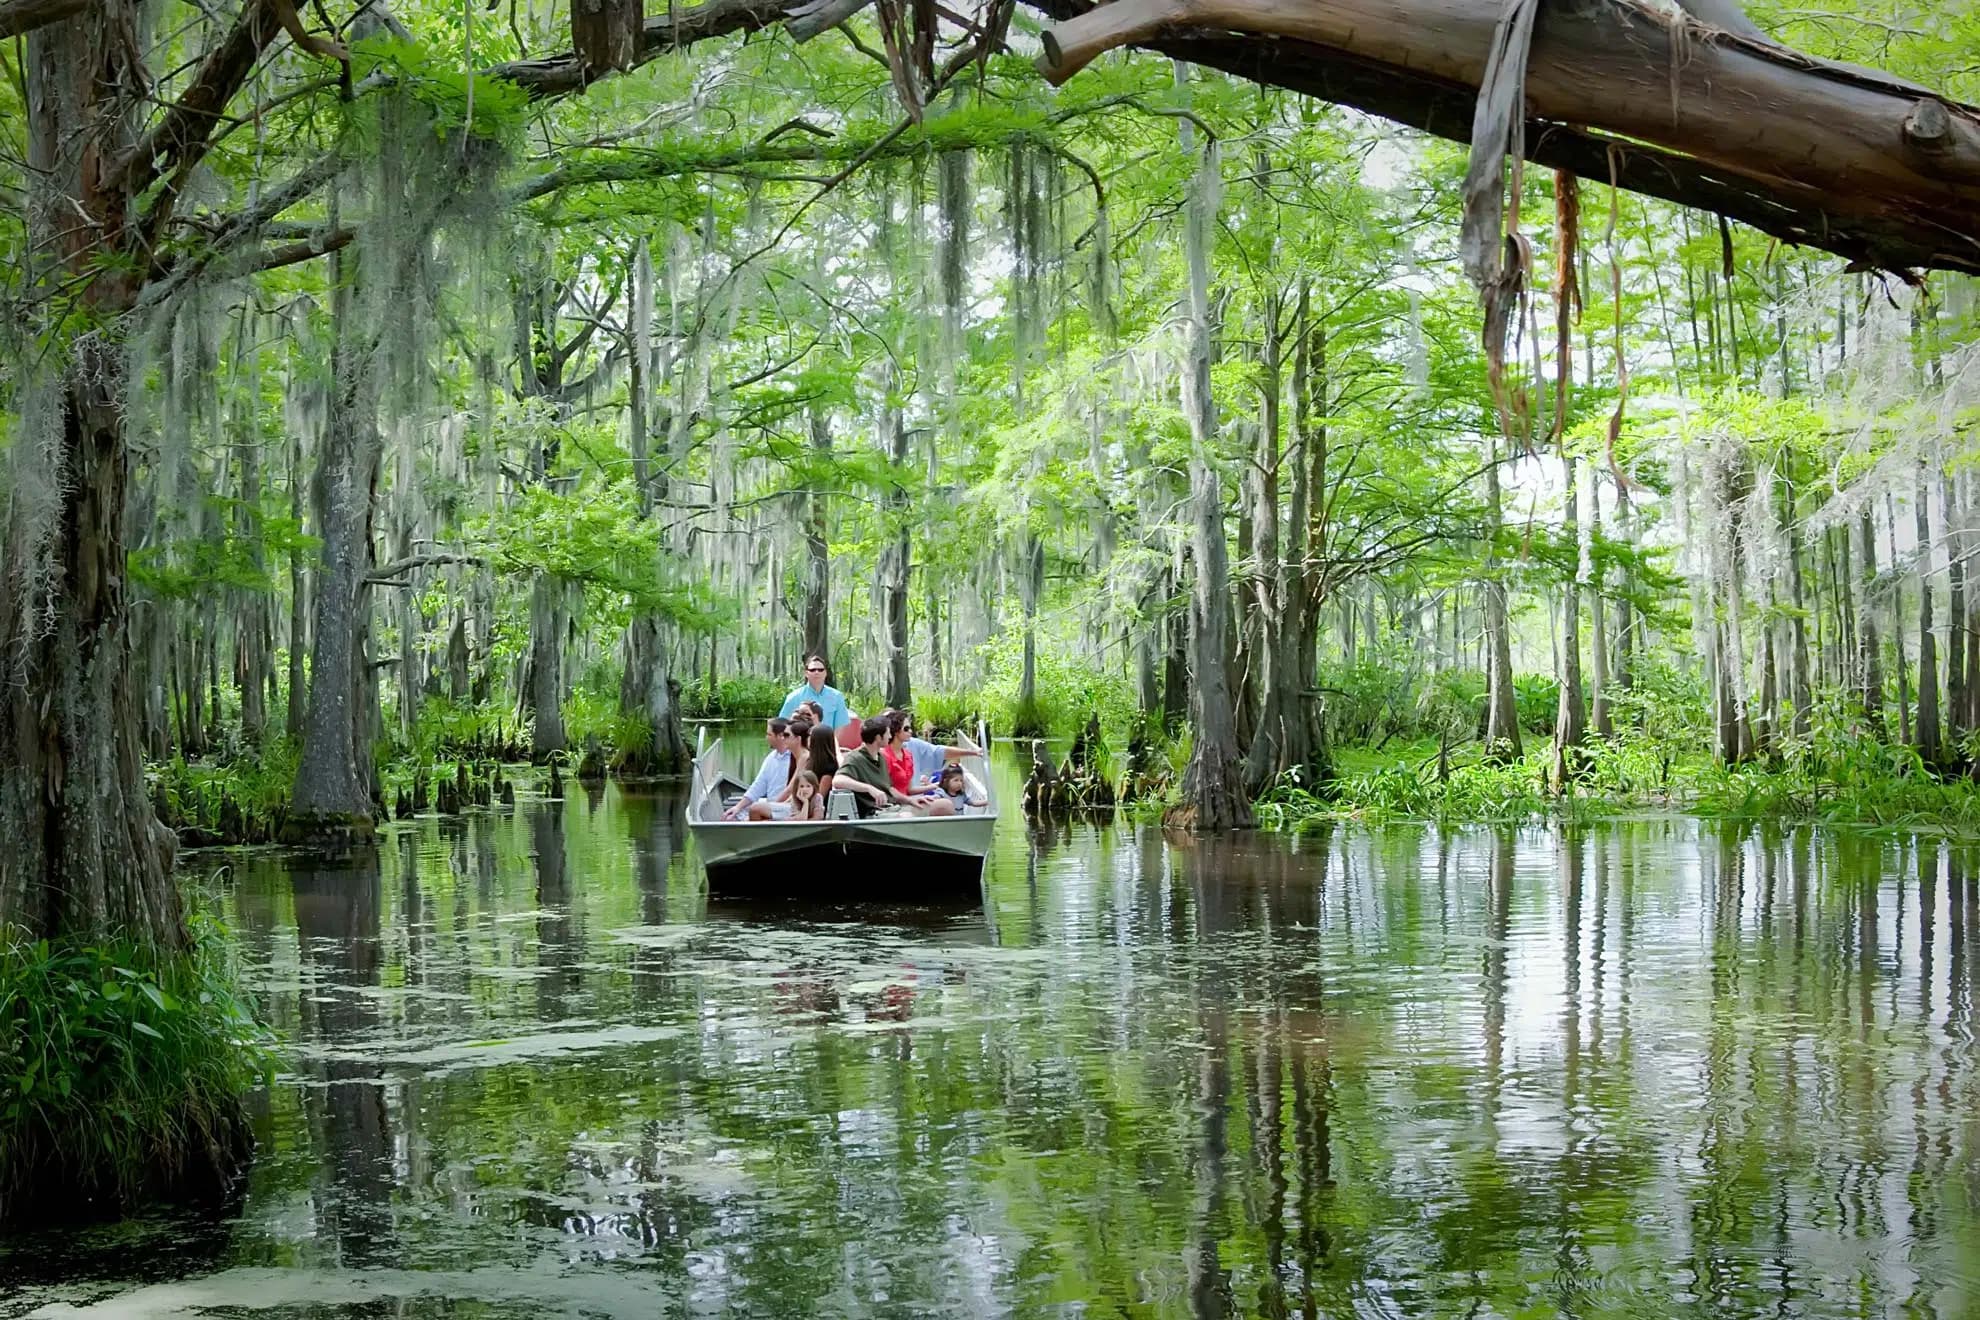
{"points": [[1649, 1068]]}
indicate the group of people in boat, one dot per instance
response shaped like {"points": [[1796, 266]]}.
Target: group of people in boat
{"points": [[817, 745]]}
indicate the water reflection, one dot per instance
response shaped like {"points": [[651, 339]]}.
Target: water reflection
{"points": [[1644, 1068]]}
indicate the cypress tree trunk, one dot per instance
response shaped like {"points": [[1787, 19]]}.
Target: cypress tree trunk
{"points": [[1870, 663], [1733, 654], [1929, 749], [1598, 616], [1571, 717], [1213, 795], [298, 602], [895, 567], [1897, 625], [544, 695], [1802, 697], [83, 853], [251, 630], [1501, 708], [817, 546], [1625, 617], [1278, 688], [332, 802], [1030, 720]]}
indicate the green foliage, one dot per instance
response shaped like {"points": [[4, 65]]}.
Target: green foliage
{"points": [[956, 708], [738, 697], [487, 107], [119, 1066], [591, 714], [240, 798], [1537, 697], [596, 540], [1071, 690], [445, 729]]}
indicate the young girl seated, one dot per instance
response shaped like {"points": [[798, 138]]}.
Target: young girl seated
{"points": [[950, 783], [806, 803]]}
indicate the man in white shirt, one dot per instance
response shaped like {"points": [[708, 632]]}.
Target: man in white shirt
{"points": [[773, 774]]}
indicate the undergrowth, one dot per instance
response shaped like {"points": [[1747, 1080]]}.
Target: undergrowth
{"points": [[121, 1070], [1837, 780]]}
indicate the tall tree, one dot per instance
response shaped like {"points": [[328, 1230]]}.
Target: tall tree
{"points": [[1212, 796]]}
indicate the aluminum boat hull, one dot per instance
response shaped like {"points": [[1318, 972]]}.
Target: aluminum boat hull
{"points": [[901, 858]]}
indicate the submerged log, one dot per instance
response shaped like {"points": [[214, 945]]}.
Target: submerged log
{"points": [[1854, 162]]}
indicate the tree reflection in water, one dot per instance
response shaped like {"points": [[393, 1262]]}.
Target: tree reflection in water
{"points": [[1647, 1067]]}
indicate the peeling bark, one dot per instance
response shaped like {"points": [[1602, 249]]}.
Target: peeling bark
{"points": [[84, 853]]}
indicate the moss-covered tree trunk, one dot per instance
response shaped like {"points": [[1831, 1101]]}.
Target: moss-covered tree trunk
{"points": [[1213, 796], [1501, 707], [332, 803], [647, 687], [83, 852], [83, 858]]}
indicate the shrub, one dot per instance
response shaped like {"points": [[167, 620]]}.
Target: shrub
{"points": [[445, 729], [590, 714], [1071, 691], [737, 698], [239, 801], [121, 1071], [951, 710], [1537, 698]]}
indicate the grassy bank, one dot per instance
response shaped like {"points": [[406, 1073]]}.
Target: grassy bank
{"points": [[1838, 781]]}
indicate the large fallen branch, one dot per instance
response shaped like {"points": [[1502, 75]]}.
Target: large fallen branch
{"points": [[1824, 154]]}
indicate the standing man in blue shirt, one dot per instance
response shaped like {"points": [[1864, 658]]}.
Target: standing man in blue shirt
{"points": [[829, 699]]}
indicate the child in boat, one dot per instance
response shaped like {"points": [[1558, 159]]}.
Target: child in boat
{"points": [[806, 804], [951, 784]]}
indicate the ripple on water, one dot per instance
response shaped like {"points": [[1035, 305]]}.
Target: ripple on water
{"points": [[1647, 1068]]}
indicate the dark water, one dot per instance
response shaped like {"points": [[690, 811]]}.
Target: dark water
{"points": [[1653, 1068]]}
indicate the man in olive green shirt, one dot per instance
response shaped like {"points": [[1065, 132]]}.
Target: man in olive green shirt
{"points": [[864, 771]]}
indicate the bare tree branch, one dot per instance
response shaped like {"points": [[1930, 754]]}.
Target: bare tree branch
{"points": [[18, 16]]}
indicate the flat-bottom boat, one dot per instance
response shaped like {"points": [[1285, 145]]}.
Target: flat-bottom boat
{"points": [[895, 856]]}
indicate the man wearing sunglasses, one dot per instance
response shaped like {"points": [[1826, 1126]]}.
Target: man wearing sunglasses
{"points": [[814, 688]]}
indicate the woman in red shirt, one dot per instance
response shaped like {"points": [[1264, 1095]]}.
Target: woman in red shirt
{"points": [[900, 761]]}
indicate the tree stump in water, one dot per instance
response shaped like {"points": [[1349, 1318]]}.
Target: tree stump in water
{"points": [[330, 834], [1041, 786], [591, 769], [1081, 784]]}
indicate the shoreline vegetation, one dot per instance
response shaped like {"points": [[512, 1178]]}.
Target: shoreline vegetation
{"points": [[122, 1073], [388, 398], [1420, 761]]}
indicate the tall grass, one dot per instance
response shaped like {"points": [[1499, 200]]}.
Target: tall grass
{"points": [[121, 1072], [737, 698]]}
